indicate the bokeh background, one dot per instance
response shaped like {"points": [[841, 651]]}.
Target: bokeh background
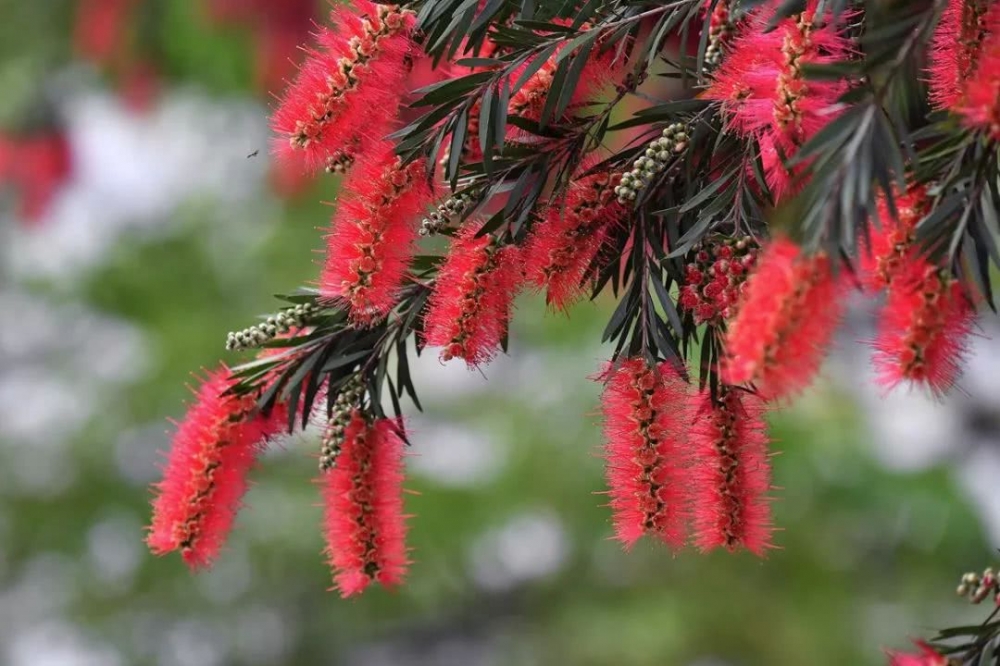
{"points": [[135, 232]]}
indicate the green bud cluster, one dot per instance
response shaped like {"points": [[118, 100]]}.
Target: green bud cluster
{"points": [[659, 153], [438, 220], [343, 406], [282, 322]]}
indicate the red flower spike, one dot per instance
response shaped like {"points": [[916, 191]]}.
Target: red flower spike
{"points": [[892, 239], [644, 426], [349, 88], [365, 528], [923, 328], [566, 241], [729, 474], [205, 477], [765, 93], [928, 657], [980, 108], [371, 242], [957, 49], [791, 305], [470, 307]]}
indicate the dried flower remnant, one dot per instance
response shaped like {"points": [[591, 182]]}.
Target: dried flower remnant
{"points": [[643, 427], [365, 528], [729, 475]]}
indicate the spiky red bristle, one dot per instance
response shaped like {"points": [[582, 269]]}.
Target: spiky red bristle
{"points": [[765, 94], [644, 426], [956, 49], [923, 328], [790, 308], [729, 475], [565, 242], [371, 242], [469, 308], [365, 529], [891, 239], [204, 479], [348, 89]]}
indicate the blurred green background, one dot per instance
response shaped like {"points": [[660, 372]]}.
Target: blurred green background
{"points": [[163, 235]]}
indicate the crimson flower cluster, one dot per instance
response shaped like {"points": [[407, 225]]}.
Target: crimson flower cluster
{"points": [[511, 179]]}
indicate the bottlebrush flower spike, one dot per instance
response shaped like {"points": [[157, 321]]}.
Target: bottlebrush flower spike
{"points": [[643, 428], [765, 93], [349, 88], [729, 474], [956, 49], [566, 241], [980, 107], [928, 657], [923, 328], [365, 528], [790, 307], [892, 239], [470, 307], [370, 244], [205, 477]]}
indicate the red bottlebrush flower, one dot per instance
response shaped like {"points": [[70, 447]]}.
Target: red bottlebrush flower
{"points": [[205, 477], [765, 93], [923, 328], [349, 88], [980, 107], [365, 528], [729, 474], [928, 657], [566, 241], [470, 306], [956, 49], [892, 239], [370, 245], [790, 307], [644, 426]]}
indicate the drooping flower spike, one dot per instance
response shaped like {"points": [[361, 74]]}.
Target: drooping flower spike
{"points": [[365, 528], [966, 32], [370, 244], [765, 93], [791, 305], [644, 425], [923, 328], [730, 475], [892, 239], [568, 238], [205, 477], [470, 306], [347, 92]]}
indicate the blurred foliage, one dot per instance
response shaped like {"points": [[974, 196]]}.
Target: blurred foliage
{"points": [[866, 557]]}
